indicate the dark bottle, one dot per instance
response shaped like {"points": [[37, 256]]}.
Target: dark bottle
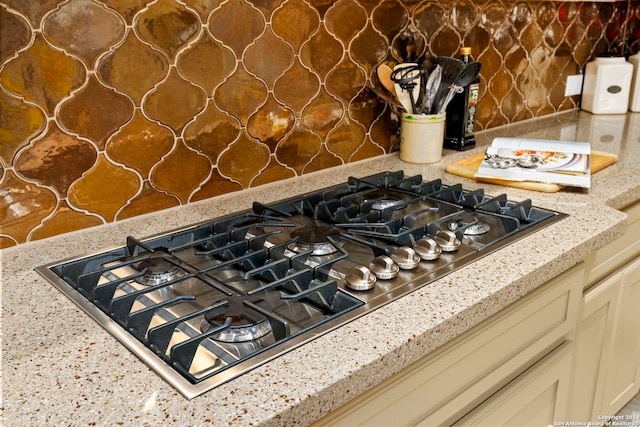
{"points": [[461, 113]]}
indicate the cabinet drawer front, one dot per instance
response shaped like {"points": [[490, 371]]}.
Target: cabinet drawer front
{"points": [[535, 398]]}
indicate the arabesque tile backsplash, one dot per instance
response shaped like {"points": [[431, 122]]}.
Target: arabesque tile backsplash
{"points": [[115, 108]]}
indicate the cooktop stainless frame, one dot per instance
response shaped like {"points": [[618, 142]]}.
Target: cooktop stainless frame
{"points": [[190, 390]]}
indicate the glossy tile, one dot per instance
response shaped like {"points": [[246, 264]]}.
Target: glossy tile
{"points": [[243, 160], [19, 122], [134, 68], [14, 33], [56, 159], [95, 29], [180, 172], [34, 74], [95, 112], [94, 191], [140, 144], [167, 25], [174, 102], [24, 205], [64, 220]]}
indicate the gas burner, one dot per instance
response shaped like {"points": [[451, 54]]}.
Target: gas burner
{"points": [[315, 238], [472, 225], [246, 324], [382, 200], [157, 270]]}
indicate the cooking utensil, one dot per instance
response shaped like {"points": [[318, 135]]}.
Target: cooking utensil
{"points": [[452, 68], [406, 78], [430, 88], [384, 75], [391, 100], [470, 72]]}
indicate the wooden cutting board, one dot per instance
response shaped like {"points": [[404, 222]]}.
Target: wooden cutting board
{"points": [[469, 166]]}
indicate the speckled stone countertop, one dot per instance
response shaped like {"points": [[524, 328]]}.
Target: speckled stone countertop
{"points": [[59, 367]]}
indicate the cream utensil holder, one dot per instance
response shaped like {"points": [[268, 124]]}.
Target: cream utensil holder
{"points": [[421, 137]]}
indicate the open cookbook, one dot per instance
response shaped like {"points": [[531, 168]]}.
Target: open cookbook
{"points": [[536, 160]]}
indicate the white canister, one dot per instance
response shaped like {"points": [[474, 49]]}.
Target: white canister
{"points": [[421, 137], [607, 85], [634, 102]]}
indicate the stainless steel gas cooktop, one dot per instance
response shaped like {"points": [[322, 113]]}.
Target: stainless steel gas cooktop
{"points": [[206, 303]]}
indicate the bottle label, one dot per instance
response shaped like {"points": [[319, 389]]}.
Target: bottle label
{"points": [[472, 102]]}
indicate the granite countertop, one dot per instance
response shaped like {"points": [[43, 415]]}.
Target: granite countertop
{"points": [[59, 367]]}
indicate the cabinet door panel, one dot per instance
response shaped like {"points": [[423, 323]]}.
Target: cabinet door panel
{"points": [[594, 336], [622, 376]]}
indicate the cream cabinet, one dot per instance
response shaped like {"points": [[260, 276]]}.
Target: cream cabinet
{"points": [[607, 351], [538, 397], [523, 348]]}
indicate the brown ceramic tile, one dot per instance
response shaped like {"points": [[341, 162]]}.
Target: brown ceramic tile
{"points": [[240, 95], [104, 189], [268, 67], [369, 48], [64, 220], [274, 172], [345, 139], [168, 26], [321, 6], [211, 132], [56, 160], [215, 186], [174, 102], [7, 242], [389, 17], [19, 122], [321, 53], [243, 160], [206, 63], [34, 10], [323, 160], [149, 200], [297, 86], [381, 135], [365, 108], [133, 68], [322, 114], [84, 28], [24, 205], [127, 8], [298, 149], [95, 112], [180, 172], [295, 22], [267, 6], [14, 33], [203, 7], [140, 144], [270, 123], [35, 75], [345, 19], [237, 24], [366, 150], [345, 81]]}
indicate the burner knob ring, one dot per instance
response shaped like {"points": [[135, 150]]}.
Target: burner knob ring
{"points": [[428, 249], [406, 258], [360, 278], [384, 268], [447, 240]]}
